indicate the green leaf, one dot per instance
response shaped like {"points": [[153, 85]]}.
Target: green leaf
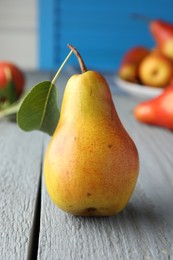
{"points": [[39, 109]]}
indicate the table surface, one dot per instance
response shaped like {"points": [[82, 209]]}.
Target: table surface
{"points": [[32, 227]]}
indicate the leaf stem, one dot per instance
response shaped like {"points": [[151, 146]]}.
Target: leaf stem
{"points": [[62, 65], [12, 109]]}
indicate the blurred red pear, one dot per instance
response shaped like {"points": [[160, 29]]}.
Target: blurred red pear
{"points": [[162, 32], [157, 111]]}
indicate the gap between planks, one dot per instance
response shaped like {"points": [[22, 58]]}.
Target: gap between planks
{"points": [[35, 230]]}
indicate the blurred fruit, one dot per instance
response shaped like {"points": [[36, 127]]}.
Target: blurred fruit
{"points": [[12, 82], [130, 63], [157, 111], [156, 70], [162, 32]]}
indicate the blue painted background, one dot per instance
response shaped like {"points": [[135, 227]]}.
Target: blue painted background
{"points": [[101, 30]]}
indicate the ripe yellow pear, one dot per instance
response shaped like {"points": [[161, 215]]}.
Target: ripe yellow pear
{"points": [[91, 163]]}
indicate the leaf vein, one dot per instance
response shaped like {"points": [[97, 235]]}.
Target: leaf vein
{"points": [[46, 103]]}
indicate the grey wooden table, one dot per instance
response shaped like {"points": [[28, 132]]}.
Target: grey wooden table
{"points": [[32, 227]]}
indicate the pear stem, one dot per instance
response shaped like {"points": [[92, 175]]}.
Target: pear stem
{"points": [[62, 65], [80, 60]]}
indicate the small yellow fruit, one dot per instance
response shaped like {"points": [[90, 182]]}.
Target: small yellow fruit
{"points": [[156, 70]]}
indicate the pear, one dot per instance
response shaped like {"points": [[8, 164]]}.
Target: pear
{"points": [[158, 110], [162, 32], [91, 164]]}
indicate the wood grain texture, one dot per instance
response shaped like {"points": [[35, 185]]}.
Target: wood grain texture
{"points": [[21, 159], [102, 42], [136, 233], [143, 230], [20, 167]]}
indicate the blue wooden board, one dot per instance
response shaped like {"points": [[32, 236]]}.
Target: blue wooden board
{"points": [[102, 31]]}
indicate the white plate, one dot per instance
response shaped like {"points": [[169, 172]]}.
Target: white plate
{"points": [[137, 89]]}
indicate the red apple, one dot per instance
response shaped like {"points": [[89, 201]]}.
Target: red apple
{"points": [[129, 66], [12, 81]]}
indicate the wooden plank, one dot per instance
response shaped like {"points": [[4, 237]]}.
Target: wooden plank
{"points": [[21, 159], [143, 230], [20, 168], [102, 33], [155, 146]]}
